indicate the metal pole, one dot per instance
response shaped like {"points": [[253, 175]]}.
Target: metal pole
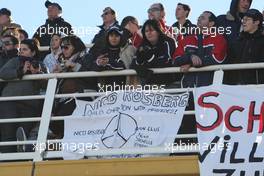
{"points": [[45, 120]]}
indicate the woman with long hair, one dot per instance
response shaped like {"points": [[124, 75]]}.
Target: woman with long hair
{"points": [[155, 51]]}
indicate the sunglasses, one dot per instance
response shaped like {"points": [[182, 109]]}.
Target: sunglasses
{"points": [[155, 9], [23, 49], [65, 47], [106, 13]]}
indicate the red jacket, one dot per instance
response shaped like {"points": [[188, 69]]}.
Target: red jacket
{"points": [[136, 40], [214, 51]]}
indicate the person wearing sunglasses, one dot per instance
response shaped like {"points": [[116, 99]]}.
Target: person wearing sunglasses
{"points": [[71, 59], [109, 20], [26, 63], [248, 48]]}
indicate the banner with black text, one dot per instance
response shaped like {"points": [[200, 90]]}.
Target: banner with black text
{"points": [[123, 120]]}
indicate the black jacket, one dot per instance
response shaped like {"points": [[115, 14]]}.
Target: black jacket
{"points": [[4, 58], [115, 63], [158, 56], [249, 48], [44, 35], [99, 39], [232, 20]]}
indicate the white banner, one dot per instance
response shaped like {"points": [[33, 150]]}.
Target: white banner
{"points": [[230, 125], [123, 120]]}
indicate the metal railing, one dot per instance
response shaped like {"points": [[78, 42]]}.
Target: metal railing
{"points": [[50, 95]]}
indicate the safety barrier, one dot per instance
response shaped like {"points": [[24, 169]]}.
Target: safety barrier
{"points": [[50, 95]]}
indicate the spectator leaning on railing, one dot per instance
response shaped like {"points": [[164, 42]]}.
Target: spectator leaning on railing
{"points": [[26, 63], [72, 59], [155, 52], [117, 55], [249, 48], [199, 50]]}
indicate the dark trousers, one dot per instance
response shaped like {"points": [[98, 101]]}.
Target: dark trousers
{"points": [[62, 109], [17, 109]]}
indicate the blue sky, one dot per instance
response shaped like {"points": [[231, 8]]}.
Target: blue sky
{"points": [[83, 13]]}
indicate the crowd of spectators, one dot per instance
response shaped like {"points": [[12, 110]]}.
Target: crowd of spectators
{"points": [[127, 45]]}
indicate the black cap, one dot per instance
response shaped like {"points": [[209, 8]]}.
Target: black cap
{"points": [[5, 11], [48, 3], [255, 14], [116, 30]]}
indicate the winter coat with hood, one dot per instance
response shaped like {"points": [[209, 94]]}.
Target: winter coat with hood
{"points": [[232, 20], [247, 49]]}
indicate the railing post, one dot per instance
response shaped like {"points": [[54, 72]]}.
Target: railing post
{"points": [[45, 120], [218, 77]]}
